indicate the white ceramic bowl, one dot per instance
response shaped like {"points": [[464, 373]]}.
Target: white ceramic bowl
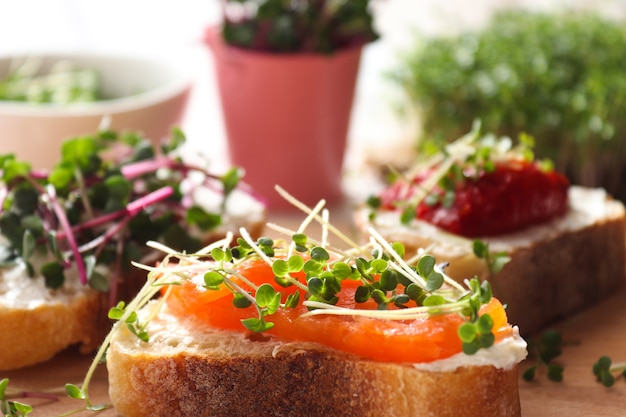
{"points": [[145, 94]]}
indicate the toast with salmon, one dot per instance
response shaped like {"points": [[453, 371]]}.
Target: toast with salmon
{"points": [[68, 235], [296, 326], [191, 369], [490, 210]]}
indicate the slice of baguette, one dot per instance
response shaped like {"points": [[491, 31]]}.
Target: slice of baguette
{"points": [[41, 322], [556, 268], [190, 369], [36, 330]]}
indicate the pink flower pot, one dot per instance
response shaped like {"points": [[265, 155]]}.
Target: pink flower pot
{"points": [[287, 118]]}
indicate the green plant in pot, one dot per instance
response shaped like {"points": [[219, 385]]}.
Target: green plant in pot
{"points": [[557, 76], [286, 74]]}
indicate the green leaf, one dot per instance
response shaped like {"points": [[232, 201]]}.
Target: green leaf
{"points": [[231, 179], [292, 300], [3, 386], [53, 274], [555, 372], [467, 332], [312, 267], [241, 301], [21, 408], [28, 245], [118, 191], [342, 270], [380, 297], [607, 379], [434, 300], [388, 280], [485, 323], [408, 214], [426, 265], [480, 249], [116, 313], [80, 151], [266, 296], [221, 255], [486, 340], [204, 220], [529, 373], [378, 266], [60, 177], [295, 263], [499, 261], [256, 324], [319, 254], [398, 248], [362, 294], [316, 286], [13, 169], [415, 292], [213, 280], [74, 392], [471, 348], [280, 267], [138, 331], [434, 281]]}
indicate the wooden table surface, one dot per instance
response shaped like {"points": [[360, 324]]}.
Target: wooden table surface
{"points": [[600, 330]]}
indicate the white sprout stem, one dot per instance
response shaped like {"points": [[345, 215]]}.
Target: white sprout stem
{"points": [[289, 232], [306, 223], [307, 210], [400, 314], [241, 290], [246, 236], [326, 218], [222, 243], [408, 272]]}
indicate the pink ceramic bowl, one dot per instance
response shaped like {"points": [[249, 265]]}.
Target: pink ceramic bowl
{"points": [[145, 94]]}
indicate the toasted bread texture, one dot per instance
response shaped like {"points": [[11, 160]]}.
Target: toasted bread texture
{"points": [[556, 268], [190, 369], [34, 334]]}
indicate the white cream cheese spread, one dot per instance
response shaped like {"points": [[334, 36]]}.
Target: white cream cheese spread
{"points": [[502, 355]]}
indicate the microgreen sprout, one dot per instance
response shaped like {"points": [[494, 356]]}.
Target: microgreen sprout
{"points": [[545, 351], [495, 261], [607, 372], [107, 196], [11, 408]]}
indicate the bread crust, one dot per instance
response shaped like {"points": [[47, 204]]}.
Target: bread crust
{"points": [[548, 278], [199, 371], [37, 334]]}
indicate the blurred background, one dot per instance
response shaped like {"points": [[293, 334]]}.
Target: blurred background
{"points": [[167, 26]]}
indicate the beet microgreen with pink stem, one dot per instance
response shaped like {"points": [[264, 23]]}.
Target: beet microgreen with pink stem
{"points": [[108, 195]]}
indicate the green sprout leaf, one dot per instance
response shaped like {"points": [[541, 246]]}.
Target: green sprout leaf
{"points": [[10, 408], [53, 274], [241, 301], [213, 280], [607, 372], [545, 351], [257, 325], [74, 392], [267, 297], [319, 254]]}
